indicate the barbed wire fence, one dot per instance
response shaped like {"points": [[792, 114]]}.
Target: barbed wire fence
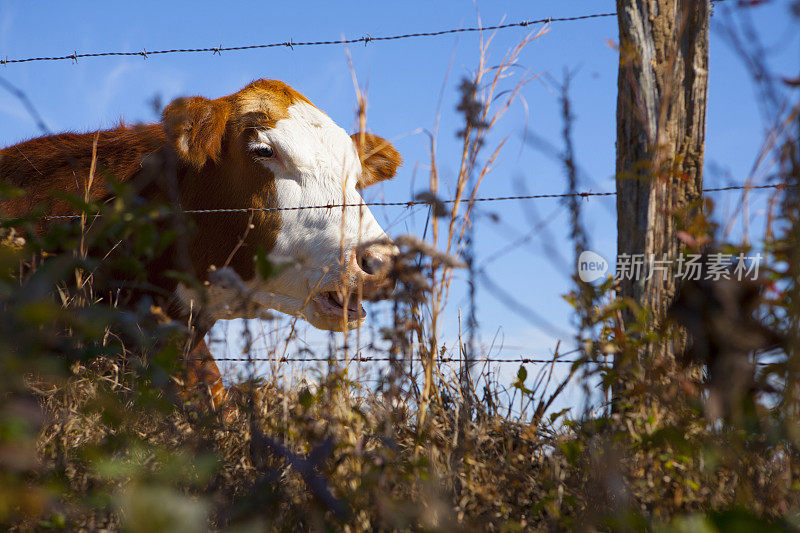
{"points": [[366, 39], [359, 358]]}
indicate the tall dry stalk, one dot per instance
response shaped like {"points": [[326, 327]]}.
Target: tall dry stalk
{"points": [[487, 84]]}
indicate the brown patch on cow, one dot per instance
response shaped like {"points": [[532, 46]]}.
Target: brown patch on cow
{"points": [[262, 103], [379, 159], [237, 181], [271, 97], [61, 163], [196, 127], [203, 377]]}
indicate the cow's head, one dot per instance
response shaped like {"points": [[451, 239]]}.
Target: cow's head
{"points": [[267, 146]]}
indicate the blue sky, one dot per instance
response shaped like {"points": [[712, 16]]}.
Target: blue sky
{"points": [[404, 80]]}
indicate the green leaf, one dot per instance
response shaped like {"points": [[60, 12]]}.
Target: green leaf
{"points": [[264, 266], [266, 269]]}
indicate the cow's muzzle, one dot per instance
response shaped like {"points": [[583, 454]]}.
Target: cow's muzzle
{"points": [[369, 275]]}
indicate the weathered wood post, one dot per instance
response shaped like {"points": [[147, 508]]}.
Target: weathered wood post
{"points": [[661, 110]]}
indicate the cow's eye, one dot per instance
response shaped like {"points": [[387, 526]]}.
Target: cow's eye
{"points": [[264, 151]]}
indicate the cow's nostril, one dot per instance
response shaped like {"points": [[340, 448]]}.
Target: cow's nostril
{"points": [[376, 264], [372, 263]]}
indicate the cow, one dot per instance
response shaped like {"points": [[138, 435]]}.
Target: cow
{"points": [[266, 149]]}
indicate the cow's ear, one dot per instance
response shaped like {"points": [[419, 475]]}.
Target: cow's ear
{"points": [[379, 159], [196, 126]]}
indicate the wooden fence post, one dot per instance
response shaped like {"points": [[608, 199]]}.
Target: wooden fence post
{"points": [[661, 110]]}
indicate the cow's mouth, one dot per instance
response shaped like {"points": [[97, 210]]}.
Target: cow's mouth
{"points": [[331, 303]]}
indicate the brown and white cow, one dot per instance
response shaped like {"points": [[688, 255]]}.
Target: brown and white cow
{"points": [[266, 146]]}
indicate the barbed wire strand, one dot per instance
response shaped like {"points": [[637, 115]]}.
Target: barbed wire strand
{"points": [[555, 358], [144, 53], [411, 203], [367, 359], [370, 359], [366, 39]]}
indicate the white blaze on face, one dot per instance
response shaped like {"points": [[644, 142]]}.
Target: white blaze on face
{"points": [[316, 163]]}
